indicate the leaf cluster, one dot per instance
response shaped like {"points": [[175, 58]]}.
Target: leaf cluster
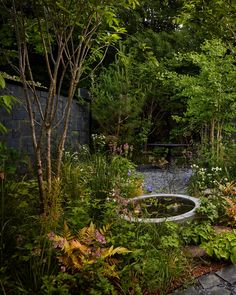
{"points": [[6, 102], [197, 233], [88, 247], [222, 246]]}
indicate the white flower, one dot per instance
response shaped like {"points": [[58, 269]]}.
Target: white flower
{"points": [[216, 169]]}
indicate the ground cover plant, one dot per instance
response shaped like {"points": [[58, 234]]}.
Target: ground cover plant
{"points": [[88, 247], [80, 256]]}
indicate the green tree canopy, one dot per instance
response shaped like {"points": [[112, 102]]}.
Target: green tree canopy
{"points": [[211, 93]]}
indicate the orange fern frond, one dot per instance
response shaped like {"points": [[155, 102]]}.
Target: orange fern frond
{"points": [[231, 210]]}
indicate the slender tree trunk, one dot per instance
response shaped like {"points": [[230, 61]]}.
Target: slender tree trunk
{"points": [[48, 160], [212, 136], [219, 141], [62, 140], [36, 145], [204, 134], [118, 127], [40, 178]]}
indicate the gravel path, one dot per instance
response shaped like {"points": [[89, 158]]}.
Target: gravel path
{"points": [[166, 180]]}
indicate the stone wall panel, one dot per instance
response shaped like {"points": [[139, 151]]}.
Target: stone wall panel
{"points": [[19, 131]]}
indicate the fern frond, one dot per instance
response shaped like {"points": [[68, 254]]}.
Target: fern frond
{"points": [[66, 233], [87, 260], [109, 271], [87, 248], [107, 252], [82, 233], [111, 251], [105, 229], [91, 230], [76, 262], [229, 188], [121, 250], [112, 261], [66, 247], [75, 244], [231, 210]]}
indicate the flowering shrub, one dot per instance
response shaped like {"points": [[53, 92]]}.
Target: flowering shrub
{"points": [[98, 141], [204, 178], [217, 194], [125, 150]]}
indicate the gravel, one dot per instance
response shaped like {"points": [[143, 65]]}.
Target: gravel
{"points": [[172, 180]]}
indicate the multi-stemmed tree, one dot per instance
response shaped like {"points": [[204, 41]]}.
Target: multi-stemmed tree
{"points": [[72, 37]]}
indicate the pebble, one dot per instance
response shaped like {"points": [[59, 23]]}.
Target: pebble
{"points": [[173, 180]]}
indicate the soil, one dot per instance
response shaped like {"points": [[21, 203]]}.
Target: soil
{"points": [[202, 269]]}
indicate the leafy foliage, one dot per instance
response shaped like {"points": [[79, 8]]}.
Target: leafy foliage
{"points": [[197, 233], [114, 90], [210, 91], [93, 182], [6, 102], [87, 247], [209, 208], [223, 246], [208, 19], [231, 211]]}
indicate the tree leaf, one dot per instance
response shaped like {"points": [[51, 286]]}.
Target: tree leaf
{"points": [[2, 82]]}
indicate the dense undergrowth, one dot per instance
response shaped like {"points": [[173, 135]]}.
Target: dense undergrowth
{"points": [[84, 246]]}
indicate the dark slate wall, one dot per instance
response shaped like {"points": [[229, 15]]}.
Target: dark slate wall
{"points": [[17, 122]]}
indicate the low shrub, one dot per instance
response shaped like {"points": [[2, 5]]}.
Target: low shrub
{"points": [[223, 246]]}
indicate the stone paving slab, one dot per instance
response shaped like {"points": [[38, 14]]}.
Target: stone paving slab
{"points": [[189, 291], [219, 291], [222, 282], [228, 274], [233, 291], [209, 280]]}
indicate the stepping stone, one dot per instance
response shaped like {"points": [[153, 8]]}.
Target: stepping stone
{"points": [[210, 280], [194, 251], [218, 291], [221, 229], [228, 274]]}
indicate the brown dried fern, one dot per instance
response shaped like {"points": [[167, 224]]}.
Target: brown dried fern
{"points": [[231, 210]]}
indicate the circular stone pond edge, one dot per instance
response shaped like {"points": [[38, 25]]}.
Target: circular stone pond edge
{"points": [[178, 218]]}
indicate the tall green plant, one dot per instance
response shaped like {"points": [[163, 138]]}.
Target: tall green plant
{"points": [[211, 103], [115, 89]]}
